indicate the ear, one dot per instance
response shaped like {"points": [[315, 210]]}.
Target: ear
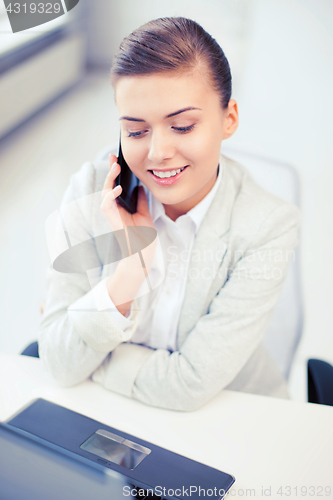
{"points": [[230, 119]]}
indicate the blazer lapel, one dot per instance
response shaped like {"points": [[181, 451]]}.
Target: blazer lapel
{"points": [[208, 252]]}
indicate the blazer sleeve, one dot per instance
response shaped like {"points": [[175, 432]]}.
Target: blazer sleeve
{"points": [[224, 339], [80, 324]]}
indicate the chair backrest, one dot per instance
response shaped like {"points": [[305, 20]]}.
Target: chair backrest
{"points": [[285, 329]]}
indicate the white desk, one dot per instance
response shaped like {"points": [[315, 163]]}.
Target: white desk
{"points": [[265, 443]]}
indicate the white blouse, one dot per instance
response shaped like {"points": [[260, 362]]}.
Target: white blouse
{"points": [[159, 310]]}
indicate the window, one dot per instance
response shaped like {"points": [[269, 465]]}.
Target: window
{"points": [[10, 41]]}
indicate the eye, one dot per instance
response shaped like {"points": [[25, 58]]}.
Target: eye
{"points": [[136, 134], [183, 130]]}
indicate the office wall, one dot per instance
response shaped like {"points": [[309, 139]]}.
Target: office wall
{"points": [[109, 22], [286, 108]]}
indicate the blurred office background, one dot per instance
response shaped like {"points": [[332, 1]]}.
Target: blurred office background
{"points": [[57, 111]]}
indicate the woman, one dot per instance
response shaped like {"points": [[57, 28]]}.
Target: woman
{"points": [[177, 344]]}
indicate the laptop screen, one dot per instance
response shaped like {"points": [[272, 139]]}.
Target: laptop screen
{"points": [[32, 471], [57, 449]]}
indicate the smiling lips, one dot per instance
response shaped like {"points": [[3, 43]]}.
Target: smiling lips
{"points": [[167, 177]]}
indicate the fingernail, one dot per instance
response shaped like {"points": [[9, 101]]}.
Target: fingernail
{"points": [[113, 166]]}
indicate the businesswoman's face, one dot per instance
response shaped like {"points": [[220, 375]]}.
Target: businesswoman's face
{"points": [[171, 131]]}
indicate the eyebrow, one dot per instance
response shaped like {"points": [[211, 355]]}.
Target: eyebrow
{"points": [[129, 118]]}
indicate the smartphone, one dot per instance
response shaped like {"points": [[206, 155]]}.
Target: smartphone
{"points": [[130, 184]]}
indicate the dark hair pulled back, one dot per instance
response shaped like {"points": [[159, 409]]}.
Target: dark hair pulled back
{"points": [[173, 44]]}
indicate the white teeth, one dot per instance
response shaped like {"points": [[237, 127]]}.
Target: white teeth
{"points": [[170, 173]]}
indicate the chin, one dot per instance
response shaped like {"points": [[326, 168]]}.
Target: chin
{"points": [[165, 200]]}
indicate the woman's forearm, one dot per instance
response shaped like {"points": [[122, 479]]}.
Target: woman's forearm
{"points": [[125, 283], [78, 329]]}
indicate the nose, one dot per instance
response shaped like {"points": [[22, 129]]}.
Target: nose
{"points": [[161, 147]]}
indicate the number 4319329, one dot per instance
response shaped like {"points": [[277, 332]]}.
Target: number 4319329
{"points": [[32, 8]]}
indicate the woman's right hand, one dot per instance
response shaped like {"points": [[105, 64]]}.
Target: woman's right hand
{"points": [[130, 274], [118, 216]]}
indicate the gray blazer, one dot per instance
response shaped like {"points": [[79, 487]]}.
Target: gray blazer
{"points": [[238, 264]]}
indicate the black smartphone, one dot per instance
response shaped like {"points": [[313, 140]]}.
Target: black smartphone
{"points": [[130, 184]]}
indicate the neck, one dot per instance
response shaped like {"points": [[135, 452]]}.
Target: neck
{"points": [[176, 210]]}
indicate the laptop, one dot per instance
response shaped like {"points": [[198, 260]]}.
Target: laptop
{"points": [[49, 452]]}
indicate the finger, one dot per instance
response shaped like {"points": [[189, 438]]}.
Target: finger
{"points": [[111, 209], [112, 159], [109, 182], [108, 195], [142, 202], [109, 201]]}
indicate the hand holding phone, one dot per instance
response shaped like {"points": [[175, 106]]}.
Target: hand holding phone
{"points": [[140, 237], [118, 217]]}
